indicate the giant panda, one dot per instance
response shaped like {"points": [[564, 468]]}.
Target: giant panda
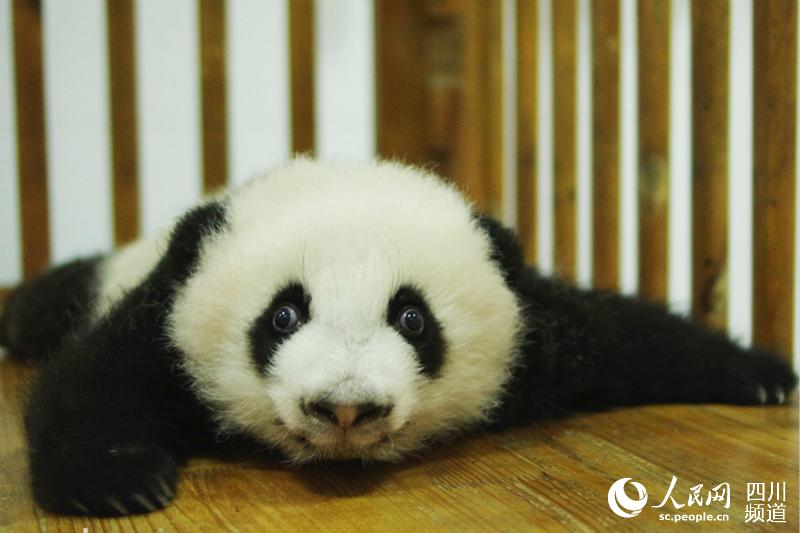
{"points": [[327, 312]]}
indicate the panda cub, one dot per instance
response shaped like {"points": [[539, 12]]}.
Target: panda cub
{"points": [[329, 312]]}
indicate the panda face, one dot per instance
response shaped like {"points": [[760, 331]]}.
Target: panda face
{"points": [[347, 312]]}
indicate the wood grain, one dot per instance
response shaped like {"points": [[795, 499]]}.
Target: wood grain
{"points": [[31, 155], [565, 184], [401, 79], [124, 124], [653, 40], [775, 70], [710, 24], [555, 476], [301, 50], [214, 94], [527, 91], [605, 143]]}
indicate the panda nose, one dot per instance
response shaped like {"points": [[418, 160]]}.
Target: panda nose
{"points": [[347, 415]]}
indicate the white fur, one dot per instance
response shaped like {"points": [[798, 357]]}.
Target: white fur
{"points": [[351, 235]]}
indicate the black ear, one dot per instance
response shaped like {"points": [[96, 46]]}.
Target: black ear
{"points": [[506, 249], [183, 251]]}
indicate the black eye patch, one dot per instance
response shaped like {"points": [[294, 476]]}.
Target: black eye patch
{"points": [[425, 333], [269, 329]]}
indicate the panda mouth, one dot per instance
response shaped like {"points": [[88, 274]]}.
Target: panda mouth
{"points": [[338, 444]]}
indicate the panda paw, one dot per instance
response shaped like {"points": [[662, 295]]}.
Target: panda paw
{"points": [[130, 478], [761, 379]]}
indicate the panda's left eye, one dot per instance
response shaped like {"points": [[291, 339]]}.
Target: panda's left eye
{"points": [[410, 321], [286, 318]]}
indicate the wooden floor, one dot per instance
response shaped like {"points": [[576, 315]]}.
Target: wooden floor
{"points": [[555, 476]]}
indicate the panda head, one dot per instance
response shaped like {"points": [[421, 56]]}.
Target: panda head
{"points": [[347, 312]]}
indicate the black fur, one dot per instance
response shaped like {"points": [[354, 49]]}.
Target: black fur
{"points": [[593, 349], [111, 416], [42, 313], [429, 345], [264, 339], [506, 251]]}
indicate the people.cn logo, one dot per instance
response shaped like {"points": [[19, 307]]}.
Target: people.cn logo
{"points": [[621, 504]]}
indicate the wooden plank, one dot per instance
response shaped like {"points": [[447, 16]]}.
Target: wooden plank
{"points": [[527, 90], [214, 96], [479, 166], [401, 80], [124, 125], [710, 26], [653, 41], [555, 475], [774, 75], [301, 39], [565, 183], [605, 143], [31, 137]]}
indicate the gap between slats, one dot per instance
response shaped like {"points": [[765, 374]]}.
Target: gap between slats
{"points": [[77, 128], [10, 237]]}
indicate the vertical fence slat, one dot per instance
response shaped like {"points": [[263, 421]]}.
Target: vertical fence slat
{"points": [[479, 168], [605, 141], [653, 37], [527, 81], [400, 42], [301, 50], [124, 125], [564, 58], [213, 94], [775, 58], [31, 137], [710, 25]]}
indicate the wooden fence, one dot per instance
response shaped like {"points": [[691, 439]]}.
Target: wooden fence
{"points": [[532, 107]]}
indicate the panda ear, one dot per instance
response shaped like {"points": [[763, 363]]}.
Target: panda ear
{"points": [[183, 250], [506, 249]]}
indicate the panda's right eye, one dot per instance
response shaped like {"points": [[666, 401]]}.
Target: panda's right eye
{"points": [[286, 318]]}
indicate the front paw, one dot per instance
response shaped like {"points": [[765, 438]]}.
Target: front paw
{"points": [[125, 478], [761, 379]]}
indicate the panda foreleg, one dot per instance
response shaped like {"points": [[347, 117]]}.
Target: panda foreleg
{"points": [[101, 431], [594, 349], [630, 352], [112, 416]]}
